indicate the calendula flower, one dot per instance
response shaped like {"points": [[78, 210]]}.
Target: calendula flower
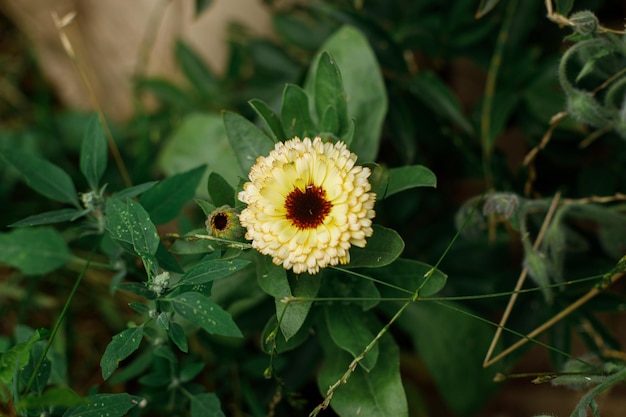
{"points": [[307, 204], [223, 223]]}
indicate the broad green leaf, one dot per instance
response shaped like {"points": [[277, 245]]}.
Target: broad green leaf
{"points": [[452, 346], [273, 280], [377, 393], [382, 248], [348, 330], [379, 179], [411, 275], [485, 7], [203, 312], [199, 75], [404, 178], [34, 251], [435, 94], [329, 96], [134, 191], [40, 380], [199, 139], [177, 335], [295, 113], [166, 260], [206, 405], [42, 176], [270, 119], [363, 84], [54, 397], [221, 192], [121, 346], [247, 140], [165, 200], [105, 405], [362, 292], [17, 357], [49, 217], [210, 270], [207, 208], [129, 224], [93, 154]]}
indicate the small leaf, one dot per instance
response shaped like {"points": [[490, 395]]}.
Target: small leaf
{"points": [[203, 312], [93, 154], [109, 405], [564, 7], [199, 75], [295, 114], [404, 178], [247, 140], [269, 118], [49, 217], [271, 339], [177, 335], [34, 251], [221, 192], [42, 176], [165, 201], [347, 329], [382, 248], [17, 356], [121, 346], [129, 223], [206, 405], [210, 270]]}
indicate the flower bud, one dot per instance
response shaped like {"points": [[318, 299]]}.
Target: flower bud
{"points": [[584, 22], [223, 223]]}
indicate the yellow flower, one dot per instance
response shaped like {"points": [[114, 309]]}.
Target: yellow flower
{"points": [[307, 204]]}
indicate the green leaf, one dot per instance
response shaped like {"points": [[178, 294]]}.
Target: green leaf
{"points": [[435, 94], [211, 269], [42, 176], [363, 84], [129, 224], [564, 7], [121, 346], [206, 405], [199, 75], [93, 154], [165, 91], [17, 357], [221, 192], [203, 312], [404, 178], [272, 339], [35, 251], [295, 113], [165, 201], [377, 393], [411, 275], [207, 208], [109, 405], [329, 96], [49, 217], [348, 330], [54, 397], [485, 7], [177, 335], [134, 191], [274, 281], [247, 140], [269, 118], [453, 346], [382, 248]]}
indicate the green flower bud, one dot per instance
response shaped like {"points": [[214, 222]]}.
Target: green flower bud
{"points": [[223, 223], [585, 22]]}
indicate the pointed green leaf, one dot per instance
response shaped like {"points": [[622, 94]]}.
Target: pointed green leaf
{"points": [[129, 223], [134, 191], [34, 251], [177, 335], [203, 312], [295, 113], [197, 72], [404, 178], [165, 200], [93, 154], [363, 84], [17, 357], [269, 118], [49, 217], [382, 248], [211, 269], [109, 405], [348, 330], [221, 192], [121, 346], [206, 405], [42, 176], [247, 140], [411, 275], [485, 7], [329, 96]]}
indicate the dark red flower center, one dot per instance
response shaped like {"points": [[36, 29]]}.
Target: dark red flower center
{"points": [[308, 209], [219, 222]]}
